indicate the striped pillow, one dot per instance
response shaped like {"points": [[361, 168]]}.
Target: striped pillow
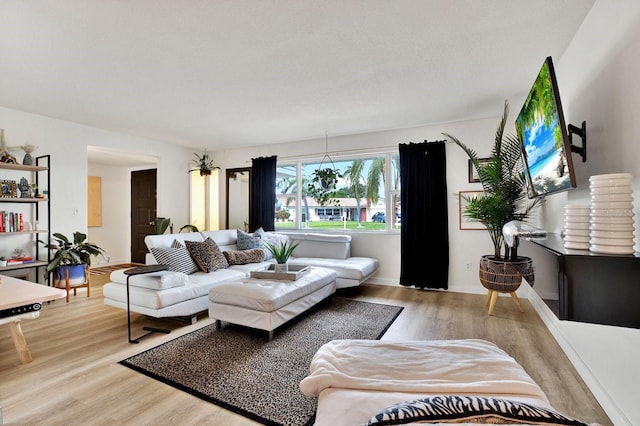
{"points": [[177, 259]]}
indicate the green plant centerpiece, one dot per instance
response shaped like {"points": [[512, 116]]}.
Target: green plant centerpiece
{"points": [[281, 253], [323, 185], [503, 200], [68, 253]]}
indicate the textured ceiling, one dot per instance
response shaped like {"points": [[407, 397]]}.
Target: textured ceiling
{"points": [[223, 74]]}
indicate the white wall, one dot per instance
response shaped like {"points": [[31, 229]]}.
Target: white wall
{"points": [[114, 231], [67, 143], [599, 82]]}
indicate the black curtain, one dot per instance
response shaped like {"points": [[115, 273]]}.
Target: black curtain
{"points": [[262, 201], [424, 237]]}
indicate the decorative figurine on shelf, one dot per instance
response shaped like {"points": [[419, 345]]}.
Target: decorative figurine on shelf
{"points": [[4, 150], [28, 159], [25, 188], [19, 253]]}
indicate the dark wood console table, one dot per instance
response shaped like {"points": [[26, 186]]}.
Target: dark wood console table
{"points": [[596, 288]]}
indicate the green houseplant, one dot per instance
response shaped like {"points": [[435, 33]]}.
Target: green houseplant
{"points": [[503, 200], [160, 225], [504, 196], [75, 252], [322, 186], [282, 252]]}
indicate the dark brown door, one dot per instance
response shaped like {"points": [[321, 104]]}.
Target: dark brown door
{"points": [[143, 211]]}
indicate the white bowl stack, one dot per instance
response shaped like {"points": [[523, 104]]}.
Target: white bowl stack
{"points": [[611, 225], [576, 226]]}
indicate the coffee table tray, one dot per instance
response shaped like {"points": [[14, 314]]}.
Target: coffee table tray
{"points": [[294, 272]]}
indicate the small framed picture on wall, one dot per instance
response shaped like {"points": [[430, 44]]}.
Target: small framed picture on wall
{"points": [[473, 173]]}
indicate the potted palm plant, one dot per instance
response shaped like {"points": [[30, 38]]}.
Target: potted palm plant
{"points": [[503, 200], [281, 253], [71, 255]]}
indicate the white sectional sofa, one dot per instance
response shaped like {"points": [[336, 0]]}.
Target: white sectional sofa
{"points": [[169, 294]]}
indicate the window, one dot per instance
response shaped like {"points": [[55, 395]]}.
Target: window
{"points": [[366, 195]]}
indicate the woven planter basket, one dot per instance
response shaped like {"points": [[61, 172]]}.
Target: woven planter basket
{"points": [[505, 276]]}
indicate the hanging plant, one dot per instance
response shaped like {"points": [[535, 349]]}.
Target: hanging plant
{"points": [[322, 186], [204, 164]]}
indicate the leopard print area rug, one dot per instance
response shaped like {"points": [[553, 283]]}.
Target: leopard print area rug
{"points": [[239, 369]]}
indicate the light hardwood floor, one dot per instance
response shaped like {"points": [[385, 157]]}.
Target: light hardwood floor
{"points": [[75, 378]]}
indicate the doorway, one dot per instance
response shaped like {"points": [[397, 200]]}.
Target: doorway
{"points": [[143, 211]]}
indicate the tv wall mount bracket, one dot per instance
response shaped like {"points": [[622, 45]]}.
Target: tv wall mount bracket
{"points": [[582, 133]]}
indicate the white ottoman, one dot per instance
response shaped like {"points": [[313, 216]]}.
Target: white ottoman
{"points": [[266, 304]]}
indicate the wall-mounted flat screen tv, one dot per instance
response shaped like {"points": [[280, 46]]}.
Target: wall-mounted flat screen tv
{"points": [[546, 146]]}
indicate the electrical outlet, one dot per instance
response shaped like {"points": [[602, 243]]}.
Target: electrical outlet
{"points": [[467, 266]]}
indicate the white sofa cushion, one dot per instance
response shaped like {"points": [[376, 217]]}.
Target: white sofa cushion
{"points": [[224, 238], [165, 240], [154, 281], [198, 286], [356, 268], [322, 245]]}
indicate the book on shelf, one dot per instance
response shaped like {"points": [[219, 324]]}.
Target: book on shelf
{"points": [[11, 222], [20, 260]]}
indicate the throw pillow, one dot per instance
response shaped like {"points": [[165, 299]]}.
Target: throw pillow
{"points": [[242, 257], [247, 241], [176, 244], [469, 409], [219, 261], [202, 255], [271, 238], [178, 259]]}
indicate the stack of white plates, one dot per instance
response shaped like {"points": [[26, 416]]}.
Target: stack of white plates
{"points": [[576, 226], [611, 225]]}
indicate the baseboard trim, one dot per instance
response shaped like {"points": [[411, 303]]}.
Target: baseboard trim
{"points": [[554, 325]]}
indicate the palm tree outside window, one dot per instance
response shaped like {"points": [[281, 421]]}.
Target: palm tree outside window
{"points": [[367, 188]]}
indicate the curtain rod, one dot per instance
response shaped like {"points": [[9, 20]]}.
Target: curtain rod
{"points": [[346, 151]]}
